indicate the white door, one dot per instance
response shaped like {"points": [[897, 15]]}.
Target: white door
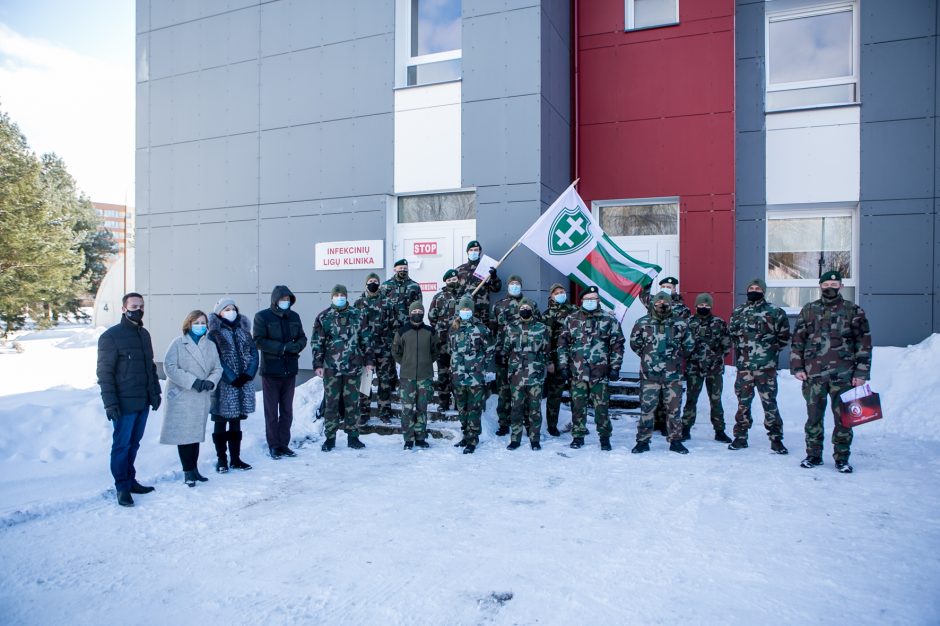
{"points": [[431, 249]]}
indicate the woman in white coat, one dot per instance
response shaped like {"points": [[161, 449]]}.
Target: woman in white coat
{"points": [[192, 371]]}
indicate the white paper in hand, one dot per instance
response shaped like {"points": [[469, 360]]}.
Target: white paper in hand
{"points": [[856, 393], [483, 267], [365, 381]]}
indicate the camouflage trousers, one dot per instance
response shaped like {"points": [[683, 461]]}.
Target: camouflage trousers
{"points": [[445, 383], [817, 391], [386, 379], [469, 404], [340, 388], [415, 395], [765, 381], [526, 411], [595, 391], [554, 387], [665, 396], [504, 405], [714, 382]]}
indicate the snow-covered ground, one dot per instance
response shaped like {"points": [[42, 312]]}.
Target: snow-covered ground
{"points": [[386, 536]]}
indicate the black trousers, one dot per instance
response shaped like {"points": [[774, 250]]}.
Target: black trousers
{"points": [[234, 426], [278, 409]]}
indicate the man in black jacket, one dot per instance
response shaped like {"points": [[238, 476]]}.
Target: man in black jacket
{"points": [[280, 337], [129, 385]]}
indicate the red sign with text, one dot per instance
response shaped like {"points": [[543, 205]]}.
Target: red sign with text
{"points": [[425, 248]]}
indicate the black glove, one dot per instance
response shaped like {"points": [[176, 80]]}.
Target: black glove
{"points": [[492, 272], [203, 385], [241, 380], [156, 404], [113, 413], [500, 360]]}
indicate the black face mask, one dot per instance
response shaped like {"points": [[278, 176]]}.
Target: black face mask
{"points": [[704, 311], [830, 292], [372, 287], [403, 274], [135, 316], [417, 318], [754, 296], [451, 286], [525, 314]]}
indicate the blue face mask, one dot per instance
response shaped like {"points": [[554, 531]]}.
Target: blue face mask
{"points": [[465, 315], [589, 305], [198, 329], [561, 298], [514, 289], [339, 301], [283, 305], [473, 256]]}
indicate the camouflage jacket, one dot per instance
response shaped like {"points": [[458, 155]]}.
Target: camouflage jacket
{"points": [[505, 314], [525, 346], [591, 345], [663, 346], [712, 343], [832, 339], [554, 318], [759, 331], [442, 312], [399, 294], [341, 343], [471, 352], [679, 309], [469, 282], [378, 317]]}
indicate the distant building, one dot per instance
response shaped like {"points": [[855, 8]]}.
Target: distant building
{"points": [[116, 218]]}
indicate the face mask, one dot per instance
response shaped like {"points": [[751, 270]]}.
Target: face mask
{"points": [[667, 289], [589, 305], [561, 298], [704, 311], [830, 292], [661, 311], [135, 316], [283, 304], [514, 289], [372, 287], [339, 301], [525, 313], [754, 296], [451, 284], [417, 318], [230, 315], [198, 329], [403, 274], [466, 315], [473, 256]]}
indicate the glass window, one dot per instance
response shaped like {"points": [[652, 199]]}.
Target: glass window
{"points": [[812, 57], [429, 41], [435, 26], [651, 13], [631, 220], [437, 207], [801, 246]]}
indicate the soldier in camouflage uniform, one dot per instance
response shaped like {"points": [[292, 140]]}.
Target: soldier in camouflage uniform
{"points": [[759, 331], [525, 347], [471, 349], [830, 353], [400, 291], [441, 314], [590, 351], [378, 317], [341, 346], [554, 317], [663, 343], [469, 282], [706, 366], [415, 348], [505, 313]]}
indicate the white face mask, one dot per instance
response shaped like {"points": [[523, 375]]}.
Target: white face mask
{"points": [[230, 315], [514, 289], [590, 304], [473, 255]]}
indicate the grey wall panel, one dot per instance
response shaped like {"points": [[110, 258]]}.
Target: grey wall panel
{"points": [[898, 320], [282, 94], [473, 8], [891, 20], [204, 43], [749, 82], [555, 151], [142, 258], [897, 159], [142, 57], [239, 179], [356, 19], [896, 254], [750, 253], [276, 18], [228, 100], [168, 12], [750, 212], [896, 207], [142, 181], [750, 168], [174, 50], [500, 140], [142, 124], [142, 16], [504, 45], [749, 30], [898, 80], [290, 163], [161, 177], [556, 66]]}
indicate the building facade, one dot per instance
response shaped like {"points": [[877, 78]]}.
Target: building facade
{"points": [[721, 139], [118, 220]]}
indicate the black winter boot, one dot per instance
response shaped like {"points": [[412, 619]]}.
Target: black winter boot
{"points": [[553, 431], [722, 437], [535, 445], [137, 488], [640, 447], [502, 431], [513, 445], [220, 440], [676, 446], [576, 443], [843, 467], [811, 462], [353, 442], [739, 443], [777, 446], [199, 476], [422, 443], [462, 443], [124, 498], [686, 433], [605, 444], [328, 444], [189, 478], [235, 446], [409, 445], [469, 449]]}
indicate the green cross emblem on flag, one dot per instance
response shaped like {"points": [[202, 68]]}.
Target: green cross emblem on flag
{"points": [[570, 231]]}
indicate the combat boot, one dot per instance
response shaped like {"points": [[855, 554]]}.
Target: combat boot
{"points": [[421, 443], [777, 446], [739, 443], [641, 447], [811, 462], [353, 442], [462, 443], [502, 431], [576, 443], [721, 436], [605, 444], [676, 446], [329, 444], [553, 431], [469, 448], [686, 433], [513, 445], [843, 467], [536, 445], [409, 445]]}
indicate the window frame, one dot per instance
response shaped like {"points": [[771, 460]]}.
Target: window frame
{"points": [[629, 18], [403, 57], [436, 192], [822, 8], [597, 205], [847, 210]]}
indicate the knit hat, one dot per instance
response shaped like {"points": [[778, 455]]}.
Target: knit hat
{"points": [[661, 297], [222, 303], [830, 275], [704, 298], [339, 290], [555, 286], [417, 305], [474, 244], [373, 275], [401, 262], [669, 280], [514, 279], [759, 282], [527, 302], [466, 302], [450, 274]]}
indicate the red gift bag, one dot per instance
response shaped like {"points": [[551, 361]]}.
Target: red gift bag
{"points": [[860, 410]]}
